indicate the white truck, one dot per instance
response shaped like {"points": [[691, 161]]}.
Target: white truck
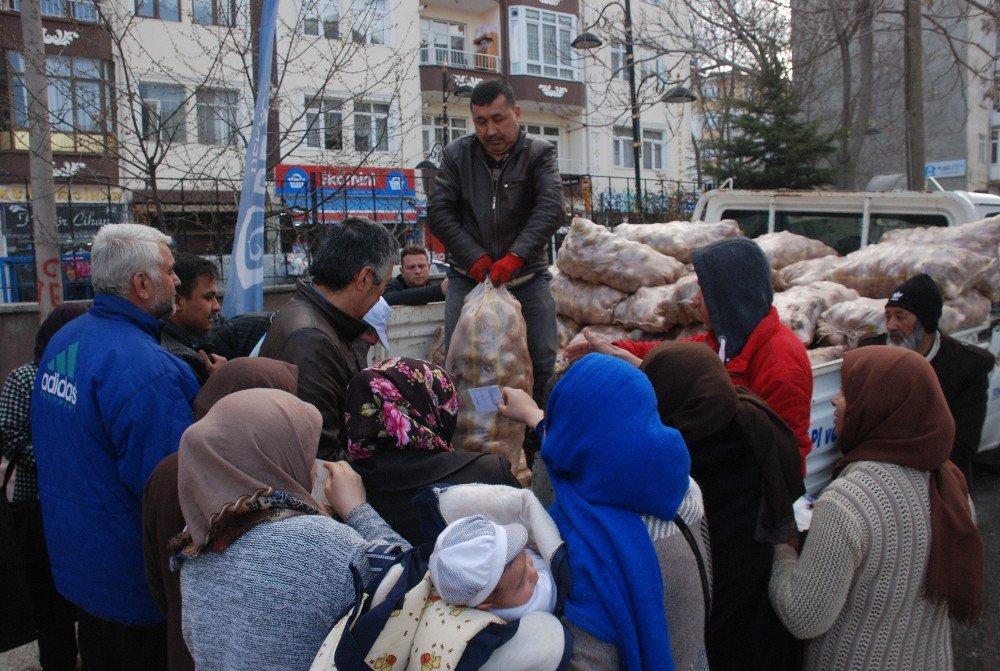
{"points": [[845, 221]]}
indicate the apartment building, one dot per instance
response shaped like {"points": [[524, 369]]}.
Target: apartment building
{"points": [[151, 101]]}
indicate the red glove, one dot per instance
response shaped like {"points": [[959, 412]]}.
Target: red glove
{"points": [[480, 268], [502, 270]]}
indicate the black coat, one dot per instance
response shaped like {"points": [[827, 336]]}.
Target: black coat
{"points": [[392, 479], [743, 630], [397, 292], [476, 214]]}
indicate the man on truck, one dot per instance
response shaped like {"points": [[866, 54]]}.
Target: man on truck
{"points": [[912, 314], [497, 202]]}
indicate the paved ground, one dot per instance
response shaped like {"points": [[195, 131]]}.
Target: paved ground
{"points": [[976, 648]]}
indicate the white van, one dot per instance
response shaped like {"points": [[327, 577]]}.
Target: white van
{"points": [[845, 220]]}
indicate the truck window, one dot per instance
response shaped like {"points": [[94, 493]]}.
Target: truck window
{"points": [[880, 224], [752, 222], [840, 230]]}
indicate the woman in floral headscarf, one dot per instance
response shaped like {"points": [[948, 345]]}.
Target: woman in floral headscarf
{"points": [[400, 418]]}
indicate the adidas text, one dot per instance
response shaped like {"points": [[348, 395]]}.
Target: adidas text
{"points": [[57, 385]]}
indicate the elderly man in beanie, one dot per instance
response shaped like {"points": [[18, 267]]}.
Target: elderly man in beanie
{"points": [[911, 321], [760, 353]]}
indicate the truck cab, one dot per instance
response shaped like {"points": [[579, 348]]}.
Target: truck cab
{"points": [[844, 220]]}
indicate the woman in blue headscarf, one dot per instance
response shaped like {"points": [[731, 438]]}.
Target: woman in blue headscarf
{"points": [[631, 517]]}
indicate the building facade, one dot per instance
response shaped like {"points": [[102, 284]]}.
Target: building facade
{"points": [[151, 102]]}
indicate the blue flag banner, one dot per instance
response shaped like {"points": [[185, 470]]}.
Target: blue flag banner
{"points": [[245, 285]]}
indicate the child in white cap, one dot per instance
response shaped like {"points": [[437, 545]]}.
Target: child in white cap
{"points": [[485, 565]]}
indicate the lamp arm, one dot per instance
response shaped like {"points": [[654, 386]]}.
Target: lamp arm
{"points": [[600, 15]]}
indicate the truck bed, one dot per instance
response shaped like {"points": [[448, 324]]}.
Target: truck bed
{"points": [[412, 327]]}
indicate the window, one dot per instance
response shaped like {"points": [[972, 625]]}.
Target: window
{"points": [[983, 148], [619, 61], [434, 128], [325, 124], [550, 133], [371, 127], [652, 65], [652, 149], [79, 93], [214, 12], [81, 10], [995, 146], [167, 10], [217, 122], [624, 154], [163, 112], [370, 25], [321, 18], [540, 43], [442, 42]]}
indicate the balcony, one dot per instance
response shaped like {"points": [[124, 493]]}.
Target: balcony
{"points": [[570, 166], [464, 67], [464, 60], [995, 172]]}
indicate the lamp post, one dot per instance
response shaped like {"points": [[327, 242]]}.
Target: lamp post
{"points": [[461, 91], [588, 40]]}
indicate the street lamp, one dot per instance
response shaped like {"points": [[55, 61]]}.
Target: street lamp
{"points": [[588, 40], [461, 90]]}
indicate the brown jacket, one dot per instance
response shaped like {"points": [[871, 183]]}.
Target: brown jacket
{"points": [[315, 336]]}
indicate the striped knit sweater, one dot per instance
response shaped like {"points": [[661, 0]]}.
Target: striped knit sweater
{"points": [[857, 589]]}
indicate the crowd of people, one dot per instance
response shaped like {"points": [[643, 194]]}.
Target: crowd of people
{"points": [[225, 512]]}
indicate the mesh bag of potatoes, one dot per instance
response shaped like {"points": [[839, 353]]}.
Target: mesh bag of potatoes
{"points": [[784, 248], [595, 254], [679, 238], [808, 271], [585, 302], [850, 322], [656, 309], [490, 347], [799, 308], [821, 355], [972, 307], [875, 271], [566, 328], [988, 283], [980, 237], [435, 351]]}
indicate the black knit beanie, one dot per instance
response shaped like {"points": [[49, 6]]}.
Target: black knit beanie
{"points": [[921, 296]]}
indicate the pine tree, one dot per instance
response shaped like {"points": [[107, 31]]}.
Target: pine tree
{"points": [[767, 145]]}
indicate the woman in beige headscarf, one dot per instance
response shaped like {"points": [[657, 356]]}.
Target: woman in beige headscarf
{"points": [[266, 573], [162, 518]]}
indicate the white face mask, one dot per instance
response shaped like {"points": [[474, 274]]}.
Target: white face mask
{"points": [[543, 598]]}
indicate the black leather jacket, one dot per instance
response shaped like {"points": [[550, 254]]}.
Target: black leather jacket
{"points": [[475, 215]]}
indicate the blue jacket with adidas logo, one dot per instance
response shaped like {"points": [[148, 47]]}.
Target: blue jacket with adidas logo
{"points": [[108, 404]]}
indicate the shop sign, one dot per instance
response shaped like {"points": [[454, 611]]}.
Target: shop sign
{"points": [[379, 194]]}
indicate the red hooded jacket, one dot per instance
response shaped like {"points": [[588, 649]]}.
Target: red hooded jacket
{"points": [[773, 364]]}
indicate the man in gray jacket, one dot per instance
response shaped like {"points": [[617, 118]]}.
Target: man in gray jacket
{"points": [[497, 202]]}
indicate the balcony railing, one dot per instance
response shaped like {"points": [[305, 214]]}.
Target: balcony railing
{"points": [[455, 58], [570, 166]]}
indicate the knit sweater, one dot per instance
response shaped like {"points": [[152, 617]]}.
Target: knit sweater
{"points": [[857, 590], [269, 599]]}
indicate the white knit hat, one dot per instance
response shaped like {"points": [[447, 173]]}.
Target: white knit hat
{"points": [[470, 555]]}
